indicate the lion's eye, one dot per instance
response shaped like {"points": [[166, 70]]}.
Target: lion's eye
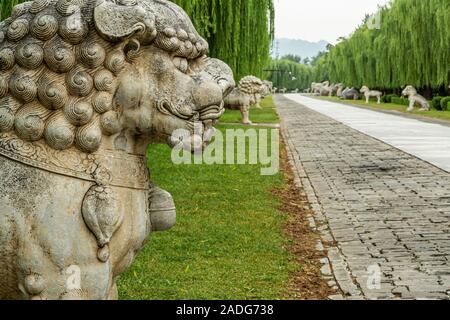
{"points": [[181, 64]]}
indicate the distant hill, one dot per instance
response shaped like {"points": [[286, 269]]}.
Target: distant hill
{"points": [[302, 48]]}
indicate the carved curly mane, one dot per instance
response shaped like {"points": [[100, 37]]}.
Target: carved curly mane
{"points": [[251, 85], [58, 75]]}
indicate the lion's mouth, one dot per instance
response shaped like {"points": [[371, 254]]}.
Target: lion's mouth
{"points": [[186, 113], [198, 125]]}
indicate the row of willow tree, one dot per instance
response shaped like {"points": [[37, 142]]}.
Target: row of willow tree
{"points": [[240, 32], [411, 45], [285, 73]]}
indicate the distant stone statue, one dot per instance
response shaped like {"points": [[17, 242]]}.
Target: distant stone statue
{"points": [[322, 89], [268, 88], [326, 91], [337, 89], [371, 94], [85, 86], [350, 94], [415, 98], [247, 94], [238, 99], [315, 87]]}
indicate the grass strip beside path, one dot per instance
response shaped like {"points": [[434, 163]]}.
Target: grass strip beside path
{"points": [[265, 115], [433, 114]]}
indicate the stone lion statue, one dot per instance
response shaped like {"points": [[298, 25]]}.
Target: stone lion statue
{"points": [[248, 93], [415, 98], [85, 86]]}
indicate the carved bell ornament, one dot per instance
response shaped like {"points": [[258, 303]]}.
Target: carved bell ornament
{"points": [[162, 210]]}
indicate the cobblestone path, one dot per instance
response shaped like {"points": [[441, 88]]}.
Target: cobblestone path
{"points": [[383, 214]]}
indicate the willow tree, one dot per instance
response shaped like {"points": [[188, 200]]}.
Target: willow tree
{"points": [[240, 32], [291, 75], [412, 46], [6, 6]]}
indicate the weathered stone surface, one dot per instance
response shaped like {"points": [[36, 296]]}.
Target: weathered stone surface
{"points": [[415, 98], [371, 94], [249, 92], [85, 86]]}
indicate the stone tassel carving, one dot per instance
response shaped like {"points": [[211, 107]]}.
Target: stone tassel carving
{"points": [[101, 212]]}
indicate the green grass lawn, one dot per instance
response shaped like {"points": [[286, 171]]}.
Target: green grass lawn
{"points": [[228, 242], [265, 115], [442, 115]]}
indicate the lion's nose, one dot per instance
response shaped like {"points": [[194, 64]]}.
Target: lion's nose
{"points": [[208, 94]]}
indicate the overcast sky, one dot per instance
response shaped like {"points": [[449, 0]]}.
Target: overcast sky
{"points": [[315, 20]]}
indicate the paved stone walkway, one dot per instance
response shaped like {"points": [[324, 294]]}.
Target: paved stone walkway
{"points": [[383, 214], [428, 141]]}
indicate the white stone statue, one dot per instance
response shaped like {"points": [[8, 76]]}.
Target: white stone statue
{"points": [[371, 93], [267, 89], [350, 93], [415, 98], [247, 94], [85, 86], [337, 89], [326, 89], [322, 89]]}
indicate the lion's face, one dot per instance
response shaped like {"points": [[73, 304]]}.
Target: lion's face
{"points": [[164, 92], [364, 89], [83, 73]]}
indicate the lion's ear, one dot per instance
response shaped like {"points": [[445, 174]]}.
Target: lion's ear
{"points": [[116, 22]]}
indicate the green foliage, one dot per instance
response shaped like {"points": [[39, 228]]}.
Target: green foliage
{"points": [[444, 103], [6, 6], [436, 103], [293, 58], [240, 32], [411, 47], [401, 101], [291, 75], [388, 98]]}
